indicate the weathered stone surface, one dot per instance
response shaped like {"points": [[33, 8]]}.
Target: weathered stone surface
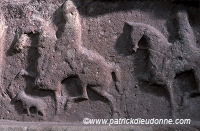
{"points": [[64, 61]]}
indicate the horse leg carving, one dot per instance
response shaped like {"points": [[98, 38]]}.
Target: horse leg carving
{"points": [[110, 99], [58, 100], [116, 74], [28, 110], [172, 99]]}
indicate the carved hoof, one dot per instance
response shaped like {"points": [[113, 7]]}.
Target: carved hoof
{"points": [[23, 73], [57, 111], [44, 118], [85, 98], [69, 103], [117, 114]]}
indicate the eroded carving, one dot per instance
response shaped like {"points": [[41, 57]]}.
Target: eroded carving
{"points": [[3, 30], [52, 47], [10, 91], [29, 101], [166, 60], [67, 57]]}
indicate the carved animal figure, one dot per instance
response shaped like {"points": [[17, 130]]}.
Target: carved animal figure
{"points": [[29, 101], [68, 57], [3, 30], [12, 90], [166, 60]]}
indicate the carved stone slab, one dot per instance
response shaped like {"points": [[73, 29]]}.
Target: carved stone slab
{"points": [[66, 60]]}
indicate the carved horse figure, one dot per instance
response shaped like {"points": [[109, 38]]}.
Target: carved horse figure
{"points": [[67, 57], [166, 60]]}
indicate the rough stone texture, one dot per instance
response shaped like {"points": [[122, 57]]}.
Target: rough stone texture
{"points": [[64, 61]]}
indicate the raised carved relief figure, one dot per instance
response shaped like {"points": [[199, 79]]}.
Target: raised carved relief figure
{"points": [[3, 30], [158, 48], [11, 89], [167, 60], [29, 101], [159, 55], [92, 68], [190, 54], [49, 60], [70, 58]]}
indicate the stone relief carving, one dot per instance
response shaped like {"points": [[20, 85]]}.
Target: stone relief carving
{"points": [[3, 29], [89, 66], [166, 59], [29, 102], [60, 61], [61, 52]]}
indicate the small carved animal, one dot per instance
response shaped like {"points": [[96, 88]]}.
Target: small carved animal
{"points": [[29, 101]]}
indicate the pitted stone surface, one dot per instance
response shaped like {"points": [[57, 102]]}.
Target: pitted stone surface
{"points": [[63, 61]]}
